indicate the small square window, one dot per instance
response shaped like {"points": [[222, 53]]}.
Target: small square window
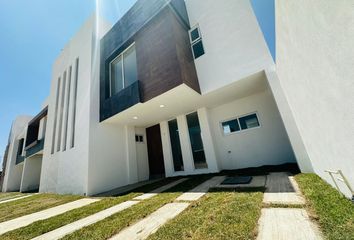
{"points": [[198, 49], [194, 34], [249, 121], [230, 126]]}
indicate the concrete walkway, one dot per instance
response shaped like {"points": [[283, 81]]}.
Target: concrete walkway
{"points": [[200, 190], [285, 223], [77, 225], [282, 189], [14, 199], [150, 224], [51, 212], [256, 182], [159, 190]]}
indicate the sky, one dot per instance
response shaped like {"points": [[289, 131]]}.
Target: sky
{"points": [[32, 34]]}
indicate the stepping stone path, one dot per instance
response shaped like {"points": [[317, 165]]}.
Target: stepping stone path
{"points": [[282, 189], [14, 199], [74, 226], [44, 214], [159, 190], [200, 190], [285, 223], [150, 224], [147, 226]]}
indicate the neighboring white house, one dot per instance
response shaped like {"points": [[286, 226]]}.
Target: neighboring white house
{"points": [[315, 57], [173, 88]]}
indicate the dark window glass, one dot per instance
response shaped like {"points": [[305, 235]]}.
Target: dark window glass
{"points": [[136, 138], [20, 147], [230, 126], [116, 75], [130, 71], [196, 140], [175, 145], [123, 71], [141, 139], [194, 34], [249, 121], [198, 49]]}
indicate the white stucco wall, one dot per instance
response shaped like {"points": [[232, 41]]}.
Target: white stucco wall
{"points": [[13, 172], [265, 145], [233, 42], [31, 173], [315, 58], [142, 156], [67, 171]]}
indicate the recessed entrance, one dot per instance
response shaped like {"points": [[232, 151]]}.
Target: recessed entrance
{"points": [[155, 153]]}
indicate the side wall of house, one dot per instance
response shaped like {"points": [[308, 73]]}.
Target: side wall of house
{"points": [[65, 158], [13, 172], [315, 65], [233, 51]]}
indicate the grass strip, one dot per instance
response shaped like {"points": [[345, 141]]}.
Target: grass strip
{"points": [[218, 215], [333, 212], [9, 195], [112, 225], [40, 227], [33, 204]]}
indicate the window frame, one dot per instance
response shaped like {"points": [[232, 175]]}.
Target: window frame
{"points": [[194, 42], [121, 54], [238, 120]]}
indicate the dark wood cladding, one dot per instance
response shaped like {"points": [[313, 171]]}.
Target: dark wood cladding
{"points": [[159, 29], [185, 56], [164, 58]]}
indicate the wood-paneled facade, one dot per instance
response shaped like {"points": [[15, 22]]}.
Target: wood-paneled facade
{"points": [[159, 31]]}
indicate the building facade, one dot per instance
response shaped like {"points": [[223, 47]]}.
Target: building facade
{"points": [[315, 58], [173, 88]]}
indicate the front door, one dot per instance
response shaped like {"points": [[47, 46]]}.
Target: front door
{"points": [[155, 154]]}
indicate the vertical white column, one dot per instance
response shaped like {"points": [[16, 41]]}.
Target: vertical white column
{"points": [[294, 135], [42, 128], [185, 144], [207, 139], [166, 149], [131, 160]]}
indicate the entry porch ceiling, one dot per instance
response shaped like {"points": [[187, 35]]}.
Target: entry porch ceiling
{"points": [[182, 100]]}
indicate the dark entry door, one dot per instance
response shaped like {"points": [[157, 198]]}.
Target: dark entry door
{"points": [[155, 154]]}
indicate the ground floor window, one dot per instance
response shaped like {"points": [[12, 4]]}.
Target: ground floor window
{"points": [[175, 145], [240, 123], [196, 140]]}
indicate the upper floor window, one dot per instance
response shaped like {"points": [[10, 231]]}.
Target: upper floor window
{"points": [[196, 42], [123, 70], [20, 147]]}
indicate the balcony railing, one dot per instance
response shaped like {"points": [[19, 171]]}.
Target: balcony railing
{"points": [[120, 101], [34, 147]]}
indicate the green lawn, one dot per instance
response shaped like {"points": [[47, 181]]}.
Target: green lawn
{"points": [[9, 195], [32, 204], [47, 225], [218, 215], [334, 212], [112, 225]]}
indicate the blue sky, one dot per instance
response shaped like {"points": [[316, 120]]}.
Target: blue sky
{"points": [[32, 33]]}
